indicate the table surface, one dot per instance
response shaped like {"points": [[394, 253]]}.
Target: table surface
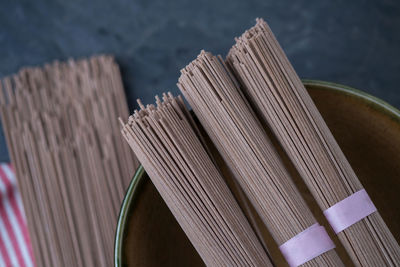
{"points": [[356, 43]]}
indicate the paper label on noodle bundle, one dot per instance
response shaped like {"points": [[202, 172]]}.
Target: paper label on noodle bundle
{"points": [[307, 245], [349, 211]]}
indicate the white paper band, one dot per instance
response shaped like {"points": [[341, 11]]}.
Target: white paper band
{"points": [[349, 211], [307, 245]]}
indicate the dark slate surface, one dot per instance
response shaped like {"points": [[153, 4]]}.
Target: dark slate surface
{"points": [[356, 43]]}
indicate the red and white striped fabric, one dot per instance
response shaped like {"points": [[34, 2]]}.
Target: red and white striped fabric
{"points": [[15, 246]]}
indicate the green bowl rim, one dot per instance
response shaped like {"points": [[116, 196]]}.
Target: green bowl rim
{"points": [[123, 214], [377, 103]]}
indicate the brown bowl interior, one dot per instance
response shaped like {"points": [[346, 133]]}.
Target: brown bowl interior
{"points": [[367, 130]]}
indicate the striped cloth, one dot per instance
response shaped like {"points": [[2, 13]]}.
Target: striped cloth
{"points": [[15, 246]]}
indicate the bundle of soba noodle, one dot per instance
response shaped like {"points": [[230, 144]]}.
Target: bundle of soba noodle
{"points": [[278, 95], [166, 142], [69, 156], [233, 127]]}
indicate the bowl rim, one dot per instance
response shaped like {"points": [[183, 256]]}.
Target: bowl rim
{"points": [[137, 180]]}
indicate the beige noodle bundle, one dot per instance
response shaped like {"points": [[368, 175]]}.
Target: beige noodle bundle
{"points": [[70, 159], [178, 164], [238, 135], [278, 95]]}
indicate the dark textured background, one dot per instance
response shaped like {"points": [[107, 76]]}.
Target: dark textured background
{"points": [[356, 42]]}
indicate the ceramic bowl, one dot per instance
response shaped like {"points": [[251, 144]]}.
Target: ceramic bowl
{"points": [[366, 128]]}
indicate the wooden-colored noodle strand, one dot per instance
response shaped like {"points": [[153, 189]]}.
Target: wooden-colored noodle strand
{"points": [[278, 95], [233, 127], [71, 163], [164, 140]]}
